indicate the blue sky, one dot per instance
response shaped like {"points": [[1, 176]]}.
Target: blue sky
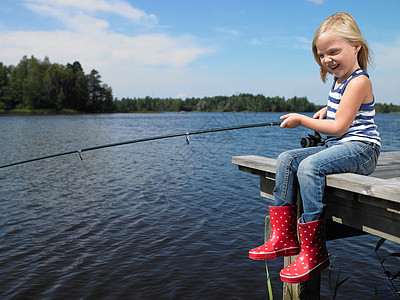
{"points": [[192, 48]]}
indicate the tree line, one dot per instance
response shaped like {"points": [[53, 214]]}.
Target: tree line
{"points": [[36, 84], [235, 103]]}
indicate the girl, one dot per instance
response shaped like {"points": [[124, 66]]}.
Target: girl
{"points": [[353, 145]]}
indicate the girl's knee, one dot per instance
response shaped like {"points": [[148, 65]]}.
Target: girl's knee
{"points": [[308, 165], [283, 161], [284, 157]]}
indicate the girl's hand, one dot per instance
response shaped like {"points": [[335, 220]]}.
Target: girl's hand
{"points": [[321, 114], [291, 120]]}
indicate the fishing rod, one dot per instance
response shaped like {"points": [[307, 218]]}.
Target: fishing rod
{"points": [[187, 134]]}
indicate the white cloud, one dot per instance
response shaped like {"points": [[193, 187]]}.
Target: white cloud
{"points": [[386, 57], [181, 95], [121, 8], [89, 39], [384, 74], [101, 48], [283, 41], [302, 43], [257, 42], [318, 2], [76, 21], [227, 31]]}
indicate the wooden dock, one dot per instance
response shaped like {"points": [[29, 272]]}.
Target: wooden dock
{"points": [[357, 204]]}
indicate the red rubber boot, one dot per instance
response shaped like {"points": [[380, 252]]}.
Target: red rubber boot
{"points": [[313, 255], [283, 240]]}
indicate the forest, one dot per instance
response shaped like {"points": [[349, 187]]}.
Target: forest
{"points": [[234, 103], [39, 86]]}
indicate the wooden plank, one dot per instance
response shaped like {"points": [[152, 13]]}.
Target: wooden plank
{"points": [[388, 205], [256, 162], [267, 185], [386, 172], [346, 208], [363, 220], [336, 231], [268, 164], [251, 171], [388, 165], [365, 185], [389, 158]]}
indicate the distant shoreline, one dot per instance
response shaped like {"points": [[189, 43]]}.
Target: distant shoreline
{"points": [[50, 112]]}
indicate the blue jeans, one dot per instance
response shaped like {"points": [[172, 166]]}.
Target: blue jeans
{"points": [[307, 168]]}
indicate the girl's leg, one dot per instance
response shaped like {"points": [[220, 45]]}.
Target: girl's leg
{"points": [[354, 157], [283, 239], [287, 164]]}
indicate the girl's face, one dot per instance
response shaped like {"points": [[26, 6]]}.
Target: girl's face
{"points": [[337, 56]]}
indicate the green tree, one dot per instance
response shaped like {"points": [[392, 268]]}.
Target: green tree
{"points": [[32, 85], [99, 97], [17, 78], [74, 88], [53, 86], [5, 101]]}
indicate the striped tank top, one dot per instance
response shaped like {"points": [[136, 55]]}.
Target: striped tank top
{"points": [[363, 127]]}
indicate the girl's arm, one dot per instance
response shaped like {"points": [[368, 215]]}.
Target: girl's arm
{"points": [[358, 91]]}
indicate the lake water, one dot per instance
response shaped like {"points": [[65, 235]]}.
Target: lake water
{"points": [[154, 220]]}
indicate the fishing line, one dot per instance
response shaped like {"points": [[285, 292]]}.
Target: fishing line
{"points": [[186, 134]]}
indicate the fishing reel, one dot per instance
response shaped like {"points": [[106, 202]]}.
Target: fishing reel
{"points": [[313, 140]]}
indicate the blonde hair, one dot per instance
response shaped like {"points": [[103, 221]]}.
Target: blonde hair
{"points": [[343, 25]]}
